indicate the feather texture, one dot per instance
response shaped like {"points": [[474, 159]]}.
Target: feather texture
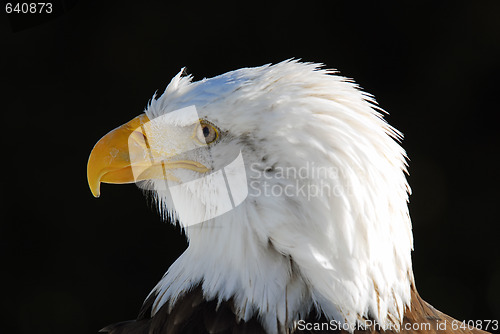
{"points": [[193, 314], [350, 247], [324, 232]]}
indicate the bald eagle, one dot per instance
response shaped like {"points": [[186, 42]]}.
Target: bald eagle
{"points": [[291, 189]]}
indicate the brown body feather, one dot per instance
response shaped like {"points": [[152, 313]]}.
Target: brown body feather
{"points": [[192, 314]]}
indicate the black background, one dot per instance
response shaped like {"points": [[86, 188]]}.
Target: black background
{"points": [[73, 264]]}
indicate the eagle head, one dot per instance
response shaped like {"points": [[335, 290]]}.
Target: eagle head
{"points": [[290, 187]]}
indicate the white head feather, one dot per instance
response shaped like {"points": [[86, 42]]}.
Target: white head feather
{"points": [[346, 251]]}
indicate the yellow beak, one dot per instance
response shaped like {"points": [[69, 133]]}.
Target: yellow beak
{"points": [[109, 161]]}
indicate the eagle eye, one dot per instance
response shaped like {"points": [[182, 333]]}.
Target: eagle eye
{"points": [[206, 133]]}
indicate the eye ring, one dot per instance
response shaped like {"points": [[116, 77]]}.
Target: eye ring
{"points": [[205, 132]]}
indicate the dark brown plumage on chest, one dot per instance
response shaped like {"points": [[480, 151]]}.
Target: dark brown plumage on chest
{"points": [[192, 314]]}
